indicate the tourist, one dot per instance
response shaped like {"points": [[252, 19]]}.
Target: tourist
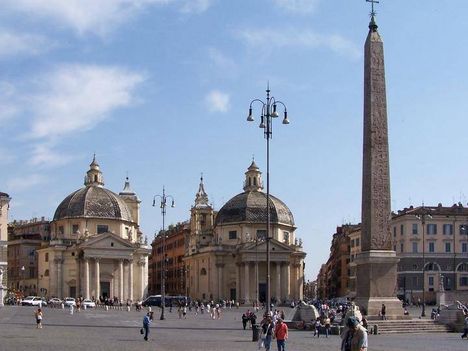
{"points": [[281, 334], [465, 329], [327, 326], [317, 326], [267, 331], [355, 337], [146, 324], [38, 315], [184, 311], [383, 312], [245, 319]]}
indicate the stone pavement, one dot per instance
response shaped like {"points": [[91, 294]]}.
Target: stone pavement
{"points": [[100, 330]]}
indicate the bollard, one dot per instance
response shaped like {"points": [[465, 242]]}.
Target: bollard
{"points": [[107, 307], [376, 329], [62, 305]]}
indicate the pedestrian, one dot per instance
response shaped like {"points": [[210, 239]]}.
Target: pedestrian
{"points": [[355, 337], [267, 331], [38, 315], [146, 324], [281, 334], [383, 312], [465, 329], [317, 326], [244, 320], [327, 326], [184, 312]]}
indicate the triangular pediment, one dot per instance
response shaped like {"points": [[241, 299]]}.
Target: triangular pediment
{"points": [[275, 245], [107, 241]]}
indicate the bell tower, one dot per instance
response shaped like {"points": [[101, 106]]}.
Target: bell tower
{"points": [[253, 178], [94, 175], [201, 220]]}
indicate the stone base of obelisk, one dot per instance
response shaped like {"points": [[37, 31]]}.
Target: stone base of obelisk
{"points": [[376, 279], [2, 294]]}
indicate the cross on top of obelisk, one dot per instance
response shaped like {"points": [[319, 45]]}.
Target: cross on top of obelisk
{"points": [[373, 13]]}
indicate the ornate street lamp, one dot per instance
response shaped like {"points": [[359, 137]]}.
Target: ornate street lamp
{"points": [[163, 198], [269, 112]]}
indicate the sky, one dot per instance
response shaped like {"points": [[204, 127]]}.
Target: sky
{"points": [[160, 91]]}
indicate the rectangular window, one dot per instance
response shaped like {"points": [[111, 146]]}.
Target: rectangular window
{"points": [[394, 232], [448, 229], [357, 242], [415, 247], [75, 228], [463, 281], [286, 237], [46, 258], [463, 229], [464, 247], [401, 247], [60, 229], [402, 229], [394, 248], [431, 247], [261, 234], [352, 243], [415, 228], [101, 228], [431, 281], [431, 229], [448, 247], [232, 234]]}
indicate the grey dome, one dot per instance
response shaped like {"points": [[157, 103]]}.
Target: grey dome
{"points": [[250, 206], [93, 202]]}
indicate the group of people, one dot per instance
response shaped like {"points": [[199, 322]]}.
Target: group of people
{"points": [[273, 327]]}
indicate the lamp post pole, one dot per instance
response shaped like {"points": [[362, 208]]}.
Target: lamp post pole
{"points": [[163, 202], [268, 113]]}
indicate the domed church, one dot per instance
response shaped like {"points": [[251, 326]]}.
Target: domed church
{"points": [[226, 251], [96, 248]]}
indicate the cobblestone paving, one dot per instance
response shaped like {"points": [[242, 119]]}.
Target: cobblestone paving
{"points": [[115, 330]]}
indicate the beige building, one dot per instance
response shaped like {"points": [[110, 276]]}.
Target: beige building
{"points": [[4, 207], [96, 248], [226, 251]]}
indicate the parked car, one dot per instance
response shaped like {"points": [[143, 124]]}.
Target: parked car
{"points": [[55, 301], [39, 301], [69, 301], [27, 301], [88, 303]]}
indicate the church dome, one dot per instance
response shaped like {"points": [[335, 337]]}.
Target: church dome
{"points": [[251, 206], [92, 202]]}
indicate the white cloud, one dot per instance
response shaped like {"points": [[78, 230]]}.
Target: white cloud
{"points": [[83, 16], [19, 184], [75, 98], [297, 6], [44, 155], [8, 107], [15, 44], [217, 101], [196, 6], [220, 60], [269, 39]]}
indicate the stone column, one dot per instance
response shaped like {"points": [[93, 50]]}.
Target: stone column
{"points": [[278, 280], [142, 279], [78, 277], [220, 289], [86, 278], [286, 278], [256, 281], [246, 282], [58, 262], [98, 279], [238, 282], [130, 273], [121, 280]]}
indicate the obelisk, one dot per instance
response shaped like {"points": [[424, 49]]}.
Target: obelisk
{"points": [[376, 270]]}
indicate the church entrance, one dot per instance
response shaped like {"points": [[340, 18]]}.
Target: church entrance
{"points": [[262, 287], [105, 289], [232, 295]]}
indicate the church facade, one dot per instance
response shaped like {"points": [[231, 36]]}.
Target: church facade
{"points": [[96, 249], [226, 251]]}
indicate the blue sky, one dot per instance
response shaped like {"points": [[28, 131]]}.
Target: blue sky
{"points": [[161, 89]]}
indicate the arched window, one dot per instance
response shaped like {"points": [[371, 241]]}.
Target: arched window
{"points": [[463, 267], [432, 266], [203, 271], [46, 273]]}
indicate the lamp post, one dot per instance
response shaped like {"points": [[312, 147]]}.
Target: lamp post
{"points": [[269, 112], [163, 201], [425, 213]]}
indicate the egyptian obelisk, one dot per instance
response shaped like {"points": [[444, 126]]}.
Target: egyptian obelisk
{"points": [[376, 270]]}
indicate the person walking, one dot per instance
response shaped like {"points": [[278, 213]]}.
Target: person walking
{"points": [[465, 329], [267, 331], [146, 324], [281, 334], [38, 314], [383, 312], [355, 337]]}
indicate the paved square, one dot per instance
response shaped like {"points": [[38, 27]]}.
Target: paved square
{"points": [[115, 330]]}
